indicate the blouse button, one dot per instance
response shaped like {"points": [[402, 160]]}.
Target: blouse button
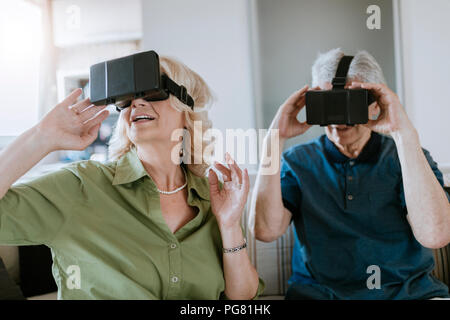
{"points": [[174, 279], [173, 245], [350, 197]]}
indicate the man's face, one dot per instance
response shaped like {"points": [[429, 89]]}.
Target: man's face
{"points": [[343, 134]]}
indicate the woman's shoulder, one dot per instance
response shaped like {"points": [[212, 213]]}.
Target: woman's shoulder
{"points": [[92, 169]]}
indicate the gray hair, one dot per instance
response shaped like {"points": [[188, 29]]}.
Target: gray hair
{"points": [[363, 68]]}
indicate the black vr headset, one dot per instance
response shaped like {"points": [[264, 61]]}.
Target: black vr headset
{"points": [[339, 105], [122, 80]]}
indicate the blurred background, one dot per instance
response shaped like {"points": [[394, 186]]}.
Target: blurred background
{"points": [[252, 53]]}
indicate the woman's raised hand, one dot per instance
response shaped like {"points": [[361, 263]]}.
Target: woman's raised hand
{"points": [[72, 125], [228, 204]]}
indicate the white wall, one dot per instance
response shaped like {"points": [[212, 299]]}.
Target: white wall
{"points": [[425, 36], [20, 53], [212, 38], [292, 32]]}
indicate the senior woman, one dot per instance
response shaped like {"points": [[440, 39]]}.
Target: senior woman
{"points": [[140, 226]]}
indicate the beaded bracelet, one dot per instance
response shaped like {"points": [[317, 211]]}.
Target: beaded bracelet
{"points": [[235, 249]]}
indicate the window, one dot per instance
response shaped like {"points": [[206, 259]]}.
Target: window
{"points": [[20, 52]]}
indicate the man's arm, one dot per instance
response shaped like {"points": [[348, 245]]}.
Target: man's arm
{"points": [[426, 202], [269, 219]]}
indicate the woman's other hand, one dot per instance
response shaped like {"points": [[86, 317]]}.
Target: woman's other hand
{"points": [[228, 204], [71, 125]]}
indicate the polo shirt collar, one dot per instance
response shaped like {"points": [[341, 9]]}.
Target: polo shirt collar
{"points": [[130, 168], [368, 154]]}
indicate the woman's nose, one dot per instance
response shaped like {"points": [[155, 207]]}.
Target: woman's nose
{"points": [[135, 104]]}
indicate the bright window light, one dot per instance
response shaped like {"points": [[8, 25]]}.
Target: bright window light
{"points": [[20, 52]]}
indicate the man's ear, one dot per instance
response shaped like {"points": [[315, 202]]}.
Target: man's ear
{"points": [[374, 111]]}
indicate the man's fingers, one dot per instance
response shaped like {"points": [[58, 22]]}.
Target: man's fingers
{"points": [[71, 98], [296, 96], [300, 127], [377, 89]]}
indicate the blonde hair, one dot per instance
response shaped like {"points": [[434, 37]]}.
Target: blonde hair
{"points": [[200, 92]]}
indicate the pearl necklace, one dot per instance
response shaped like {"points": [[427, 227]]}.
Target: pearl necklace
{"points": [[177, 189]]}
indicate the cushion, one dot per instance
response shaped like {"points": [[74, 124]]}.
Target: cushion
{"points": [[442, 267], [36, 270], [10, 256], [9, 290]]}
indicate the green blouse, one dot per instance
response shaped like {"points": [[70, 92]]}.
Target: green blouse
{"points": [[108, 238]]}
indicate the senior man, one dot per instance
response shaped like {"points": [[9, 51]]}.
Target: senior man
{"points": [[367, 201]]}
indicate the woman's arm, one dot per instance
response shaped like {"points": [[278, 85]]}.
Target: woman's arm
{"points": [[68, 126], [20, 156], [241, 278], [34, 212]]}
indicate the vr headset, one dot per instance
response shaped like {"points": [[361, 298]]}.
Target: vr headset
{"points": [[339, 105], [122, 80]]}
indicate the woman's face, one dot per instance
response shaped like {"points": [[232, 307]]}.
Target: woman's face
{"points": [[152, 121]]}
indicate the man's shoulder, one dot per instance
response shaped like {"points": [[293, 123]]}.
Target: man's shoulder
{"points": [[311, 149]]}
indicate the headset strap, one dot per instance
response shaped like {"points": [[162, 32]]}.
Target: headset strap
{"points": [[340, 79], [178, 91]]}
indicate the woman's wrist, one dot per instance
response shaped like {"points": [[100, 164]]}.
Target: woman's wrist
{"points": [[232, 236], [42, 140]]}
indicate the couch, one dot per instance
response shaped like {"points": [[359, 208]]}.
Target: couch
{"points": [[272, 261]]}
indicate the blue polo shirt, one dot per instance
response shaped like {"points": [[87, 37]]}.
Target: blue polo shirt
{"points": [[350, 219]]}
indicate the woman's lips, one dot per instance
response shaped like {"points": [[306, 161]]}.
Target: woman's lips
{"points": [[139, 122]]}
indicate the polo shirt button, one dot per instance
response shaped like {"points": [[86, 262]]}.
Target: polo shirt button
{"points": [[173, 245], [174, 279], [351, 163], [350, 178], [350, 197]]}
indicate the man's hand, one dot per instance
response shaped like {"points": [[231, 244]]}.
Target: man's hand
{"points": [[286, 118], [392, 118]]}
